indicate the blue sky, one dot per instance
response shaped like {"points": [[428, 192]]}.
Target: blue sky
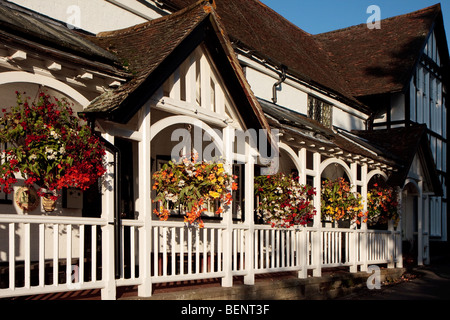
{"points": [[317, 16]]}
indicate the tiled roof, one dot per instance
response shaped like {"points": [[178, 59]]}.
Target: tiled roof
{"points": [[255, 27], [141, 49], [403, 144], [376, 61], [148, 50], [312, 132], [29, 28]]}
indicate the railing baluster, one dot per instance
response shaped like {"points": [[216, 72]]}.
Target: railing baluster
{"points": [[213, 249], [164, 249], [205, 251], [267, 248], [27, 255], [55, 253], [68, 253], [122, 251], [41, 254], [219, 249], [182, 251], [197, 251], [155, 251], [241, 236], [12, 256], [173, 251], [189, 250], [94, 253], [81, 263], [132, 252]]}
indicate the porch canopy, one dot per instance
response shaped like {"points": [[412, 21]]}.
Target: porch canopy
{"points": [[152, 51], [391, 151]]}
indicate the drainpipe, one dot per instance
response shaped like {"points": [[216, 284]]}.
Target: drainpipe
{"points": [[280, 81], [117, 196]]}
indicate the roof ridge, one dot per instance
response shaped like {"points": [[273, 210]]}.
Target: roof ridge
{"points": [[409, 14], [205, 4]]}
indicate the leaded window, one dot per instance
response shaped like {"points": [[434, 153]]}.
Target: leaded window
{"points": [[320, 111]]}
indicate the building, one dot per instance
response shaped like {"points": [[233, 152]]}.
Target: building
{"points": [[214, 69]]}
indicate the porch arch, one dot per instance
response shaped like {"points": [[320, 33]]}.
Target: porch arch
{"points": [[26, 77], [174, 120], [373, 173], [293, 156], [344, 165]]}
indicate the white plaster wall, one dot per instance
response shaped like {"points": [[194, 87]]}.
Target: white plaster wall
{"points": [[346, 121], [93, 15], [397, 107]]}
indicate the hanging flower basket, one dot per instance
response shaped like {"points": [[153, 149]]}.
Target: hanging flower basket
{"points": [[339, 203], [26, 198], [192, 185], [48, 202], [283, 202], [49, 147], [382, 206]]}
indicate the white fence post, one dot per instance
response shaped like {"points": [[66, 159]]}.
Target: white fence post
{"points": [[249, 278], [391, 245], [399, 244], [108, 264], [145, 205], [302, 251], [317, 234], [227, 280]]}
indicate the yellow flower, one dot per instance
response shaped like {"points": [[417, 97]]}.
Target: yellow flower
{"points": [[220, 179], [214, 194]]}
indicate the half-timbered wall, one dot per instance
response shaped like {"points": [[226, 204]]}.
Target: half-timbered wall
{"points": [[425, 103], [293, 94]]}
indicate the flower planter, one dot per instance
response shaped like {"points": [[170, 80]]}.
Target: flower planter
{"points": [[48, 203], [49, 147], [26, 198]]}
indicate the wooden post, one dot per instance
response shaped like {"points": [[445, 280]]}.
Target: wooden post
{"points": [[249, 279], [391, 245], [302, 256], [317, 234], [227, 221], [363, 243], [145, 204], [426, 229], [399, 244], [108, 263], [420, 210]]}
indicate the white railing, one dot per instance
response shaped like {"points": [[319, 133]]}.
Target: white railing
{"points": [[186, 253], [53, 254], [41, 255]]}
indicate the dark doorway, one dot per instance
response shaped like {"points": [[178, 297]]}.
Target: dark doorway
{"points": [[127, 201]]}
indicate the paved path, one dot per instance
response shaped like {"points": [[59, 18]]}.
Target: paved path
{"points": [[431, 283]]}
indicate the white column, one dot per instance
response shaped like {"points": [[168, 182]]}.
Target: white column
{"points": [[145, 204], [108, 263], [363, 236], [302, 161], [399, 242], [227, 221], [420, 214], [205, 78], [317, 236], [426, 231], [249, 279], [302, 233]]}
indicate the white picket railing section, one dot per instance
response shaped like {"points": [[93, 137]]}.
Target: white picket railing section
{"points": [[68, 254], [51, 256]]}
